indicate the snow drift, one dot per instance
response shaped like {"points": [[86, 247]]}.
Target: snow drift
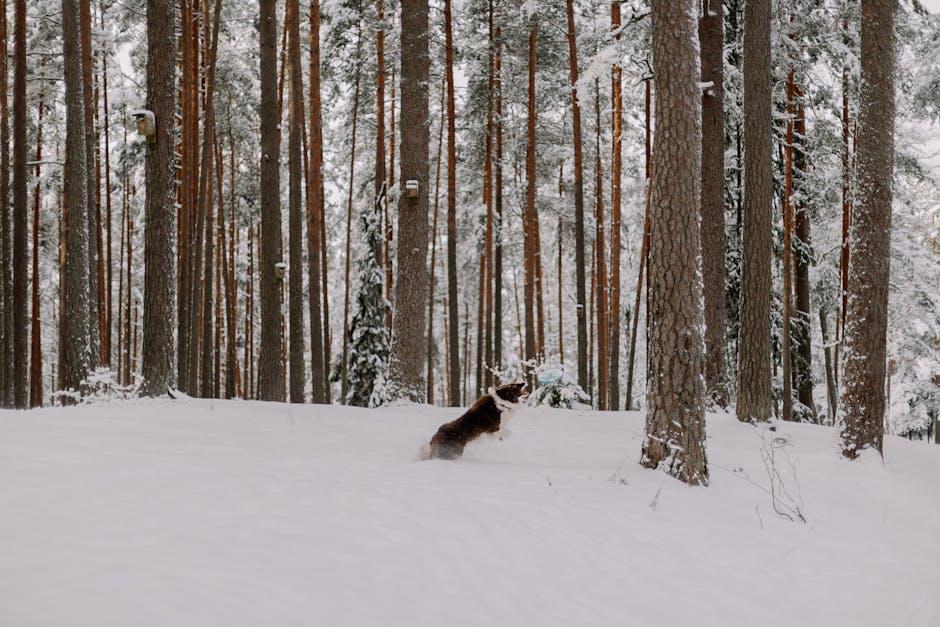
{"points": [[231, 513]]}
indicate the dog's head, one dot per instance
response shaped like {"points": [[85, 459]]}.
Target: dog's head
{"points": [[512, 392]]}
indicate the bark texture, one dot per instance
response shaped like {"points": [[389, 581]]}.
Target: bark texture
{"points": [[863, 388], [271, 355], [6, 254], [315, 197], [578, 202], [406, 370], [295, 201], [94, 311], [754, 395], [20, 345], [159, 347], [76, 357], [616, 175], [453, 328], [675, 423], [711, 36]]}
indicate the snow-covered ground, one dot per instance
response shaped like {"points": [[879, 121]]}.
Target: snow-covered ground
{"points": [[198, 513]]}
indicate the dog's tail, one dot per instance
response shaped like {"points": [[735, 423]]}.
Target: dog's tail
{"points": [[424, 453]]}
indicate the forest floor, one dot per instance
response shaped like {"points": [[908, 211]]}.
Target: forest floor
{"points": [[205, 513]]}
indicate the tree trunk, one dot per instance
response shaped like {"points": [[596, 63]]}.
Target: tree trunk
{"points": [[349, 208], [453, 327], [270, 371], [488, 201], [295, 165], [319, 362], [831, 392], [578, 199], [754, 394], [846, 204], [711, 36], [675, 423], [435, 235], [185, 196], [76, 358], [498, 202], [226, 246], [94, 308], [106, 149], [616, 174], [785, 349], [35, 358], [863, 388], [159, 349], [803, 257], [406, 373], [6, 253], [530, 219], [600, 275], [20, 345]]}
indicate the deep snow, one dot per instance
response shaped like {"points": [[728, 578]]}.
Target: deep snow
{"points": [[199, 513]]}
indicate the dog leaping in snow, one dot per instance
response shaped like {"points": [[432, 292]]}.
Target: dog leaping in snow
{"points": [[488, 416]]}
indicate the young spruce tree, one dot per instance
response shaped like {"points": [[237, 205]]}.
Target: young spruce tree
{"points": [[368, 334]]}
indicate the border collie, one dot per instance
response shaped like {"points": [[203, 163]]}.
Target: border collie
{"points": [[488, 416]]}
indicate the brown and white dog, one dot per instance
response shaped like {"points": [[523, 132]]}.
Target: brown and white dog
{"points": [[488, 416]]}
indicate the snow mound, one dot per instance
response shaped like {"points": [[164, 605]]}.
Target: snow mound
{"points": [[196, 513]]}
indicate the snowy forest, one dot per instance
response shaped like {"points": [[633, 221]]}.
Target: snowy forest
{"points": [[357, 201], [275, 276]]}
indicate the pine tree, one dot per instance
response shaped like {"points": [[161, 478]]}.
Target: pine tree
{"points": [[6, 253], [76, 359], [711, 35], [411, 289], [271, 358], [20, 300], [675, 423], [295, 220], [754, 394], [863, 389], [159, 346], [369, 341]]}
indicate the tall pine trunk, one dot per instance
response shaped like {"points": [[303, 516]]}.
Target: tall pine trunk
{"points": [[453, 326], [20, 345], [270, 359], [578, 199], [675, 423], [6, 253], [35, 357], [616, 175], [754, 394], [406, 372], [530, 219], [863, 387], [349, 208], [95, 319], [319, 338], [76, 357], [295, 220], [711, 36], [600, 266], [803, 369], [159, 347], [498, 200]]}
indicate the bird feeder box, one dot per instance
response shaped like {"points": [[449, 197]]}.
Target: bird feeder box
{"points": [[146, 124], [280, 269], [411, 189]]}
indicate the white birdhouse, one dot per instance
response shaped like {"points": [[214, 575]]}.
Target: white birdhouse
{"points": [[146, 124], [411, 189]]}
